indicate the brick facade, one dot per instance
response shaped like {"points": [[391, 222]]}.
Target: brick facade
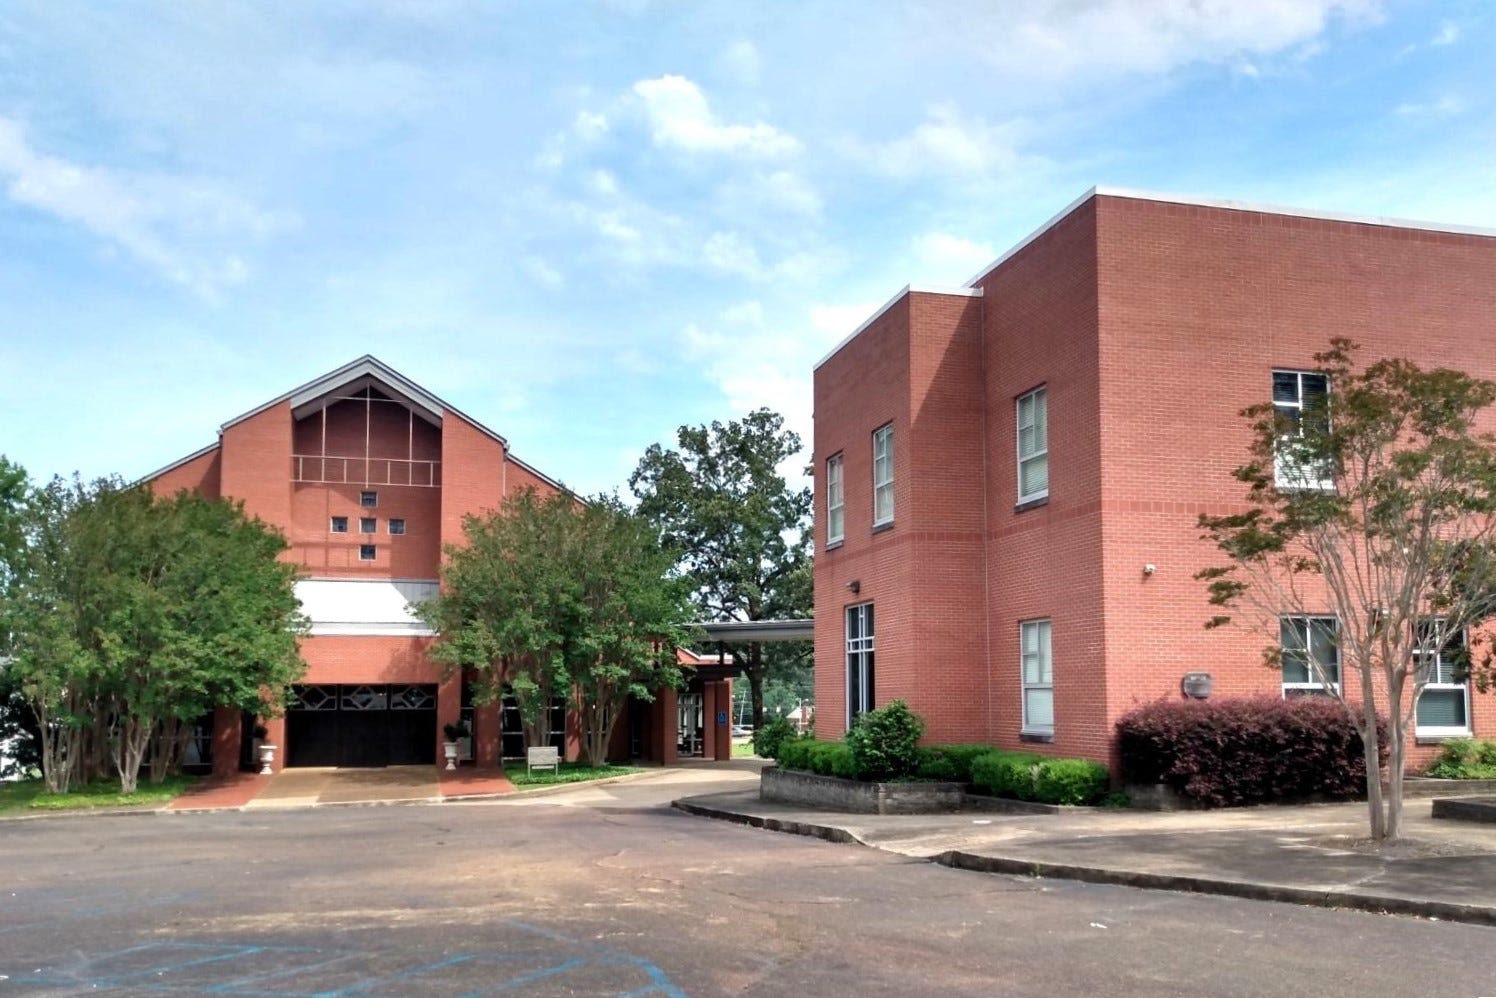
{"points": [[1150, 324]]}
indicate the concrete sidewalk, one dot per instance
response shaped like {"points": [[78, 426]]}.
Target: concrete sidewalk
{"points": [[1315, 854]]}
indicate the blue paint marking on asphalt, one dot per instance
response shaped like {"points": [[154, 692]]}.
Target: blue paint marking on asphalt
{"points": [[151, 967]]}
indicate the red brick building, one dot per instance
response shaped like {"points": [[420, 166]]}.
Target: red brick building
{"points": [[368, 475], [1008, 474]]}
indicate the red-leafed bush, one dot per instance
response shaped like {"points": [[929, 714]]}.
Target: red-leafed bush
{"points": [[1224, 753]]}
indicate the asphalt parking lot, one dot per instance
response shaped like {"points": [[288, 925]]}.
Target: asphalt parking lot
{"points": [[604, 891]]}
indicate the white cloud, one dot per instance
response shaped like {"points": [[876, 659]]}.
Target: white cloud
{"points": [[1446, 106], [186, 229], [1052, 40], [945, 259], [836, 321], [783, 192], [731, 253], [680, 118], [946, 142], [741, 62], [1448, 34], [541, 272]]}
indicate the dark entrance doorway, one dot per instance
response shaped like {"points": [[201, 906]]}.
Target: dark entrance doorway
{"points": [[363, 725]]}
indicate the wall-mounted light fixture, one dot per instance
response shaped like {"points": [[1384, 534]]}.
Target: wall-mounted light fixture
{"points": [[1149, 568], [855, 585]]}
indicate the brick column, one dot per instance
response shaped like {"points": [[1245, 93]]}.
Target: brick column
{"points": [[227, 731], [486, 732]]}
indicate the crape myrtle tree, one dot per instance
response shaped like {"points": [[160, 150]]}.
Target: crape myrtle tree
{"points": [[556, 595], [742, 531], [129, 616], [1374, 503]]}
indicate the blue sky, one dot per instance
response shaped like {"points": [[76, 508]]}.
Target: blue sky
{"points": [[586, 224]]}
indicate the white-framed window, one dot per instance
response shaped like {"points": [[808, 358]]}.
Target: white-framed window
{"points": [[367, 525], [368, 500], [883, 475], [859, 660], [836, 508], [366, 552], [396, 525], [1311, 654], [1038, 677], [339, 525], [1033, 445], [1443, 709], [1301, 401]]}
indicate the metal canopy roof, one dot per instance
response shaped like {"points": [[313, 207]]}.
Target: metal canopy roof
{"points": [[758, 630]]}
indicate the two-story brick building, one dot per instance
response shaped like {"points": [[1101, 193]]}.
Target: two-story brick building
{"points": [[1008, 474], [369, 475]]}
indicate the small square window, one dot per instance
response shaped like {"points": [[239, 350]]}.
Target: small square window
{"points": [[340, 524], [368, 500], [366, 552], [397, 525], [367, 524]]}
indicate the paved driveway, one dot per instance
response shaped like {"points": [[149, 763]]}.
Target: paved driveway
{"points": [[602, 891]]}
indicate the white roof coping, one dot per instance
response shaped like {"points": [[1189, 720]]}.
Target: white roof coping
{"points": [[908, 289]]}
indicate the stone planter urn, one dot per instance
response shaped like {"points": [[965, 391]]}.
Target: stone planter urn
{"points": [[267, 759], [449, 749]]}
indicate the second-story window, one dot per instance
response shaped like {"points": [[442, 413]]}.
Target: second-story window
{"points": [[367, 524], [1033, 445], [883, 475], [1301, 403], [368, 500], [836, 511]]}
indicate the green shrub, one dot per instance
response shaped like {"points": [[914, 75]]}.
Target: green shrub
{"points": [[768, 739], [833, 759], [1465, 759], [795, 753], [1006, 774], [1070, 781], [950, 763], [1025, 776], [884, 741]]}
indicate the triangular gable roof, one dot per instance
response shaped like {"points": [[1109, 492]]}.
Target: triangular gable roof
{"points": [[366, 370]]}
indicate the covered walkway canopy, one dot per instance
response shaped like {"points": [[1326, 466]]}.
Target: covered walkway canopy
{"points": [[748, 632]]}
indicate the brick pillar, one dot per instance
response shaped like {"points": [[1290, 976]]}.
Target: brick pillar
{"points": [[721, 735], [448, 711], [663, 730], [486, 736], [709, 720], [227, 731], [275, 728]]}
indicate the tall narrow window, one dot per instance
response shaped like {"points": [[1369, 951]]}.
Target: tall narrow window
{"points": [[1311, 654], [859, 660], [836, 519], [1038, 677], [1444, 704], [883, 475], [1301, 403], [1033, 445]]}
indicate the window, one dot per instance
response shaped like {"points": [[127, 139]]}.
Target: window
{"points": [[367, 525], [836, 519], [1301, 402], [340, 524], [1033, 445], [368, 500], [1038, 677], [1311, 654], [397, 525], [883, 475], [1444, 705], [859, 660], [366, 552]]}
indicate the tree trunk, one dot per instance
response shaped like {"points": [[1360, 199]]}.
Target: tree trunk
{"points": [[133, 739], [755, 673]]}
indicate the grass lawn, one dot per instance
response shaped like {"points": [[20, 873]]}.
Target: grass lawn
{"points": [[742, 750], [571, 772], [31, 795]]}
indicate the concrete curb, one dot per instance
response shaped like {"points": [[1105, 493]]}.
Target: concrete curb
{"points": [[1351, 900]]}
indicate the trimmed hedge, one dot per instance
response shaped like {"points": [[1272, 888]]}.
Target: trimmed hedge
{"points": [[1026, 776], [821, 758], [1225, 753], [768, 738], [1466, 759], [949, 763]]}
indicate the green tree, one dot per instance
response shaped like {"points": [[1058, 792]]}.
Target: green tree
{"points": [[554, 595], [1377, 502], [131, 616], [742, 531]]}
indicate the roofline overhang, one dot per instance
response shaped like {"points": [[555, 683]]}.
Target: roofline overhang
{"points": [[758, 630]]}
